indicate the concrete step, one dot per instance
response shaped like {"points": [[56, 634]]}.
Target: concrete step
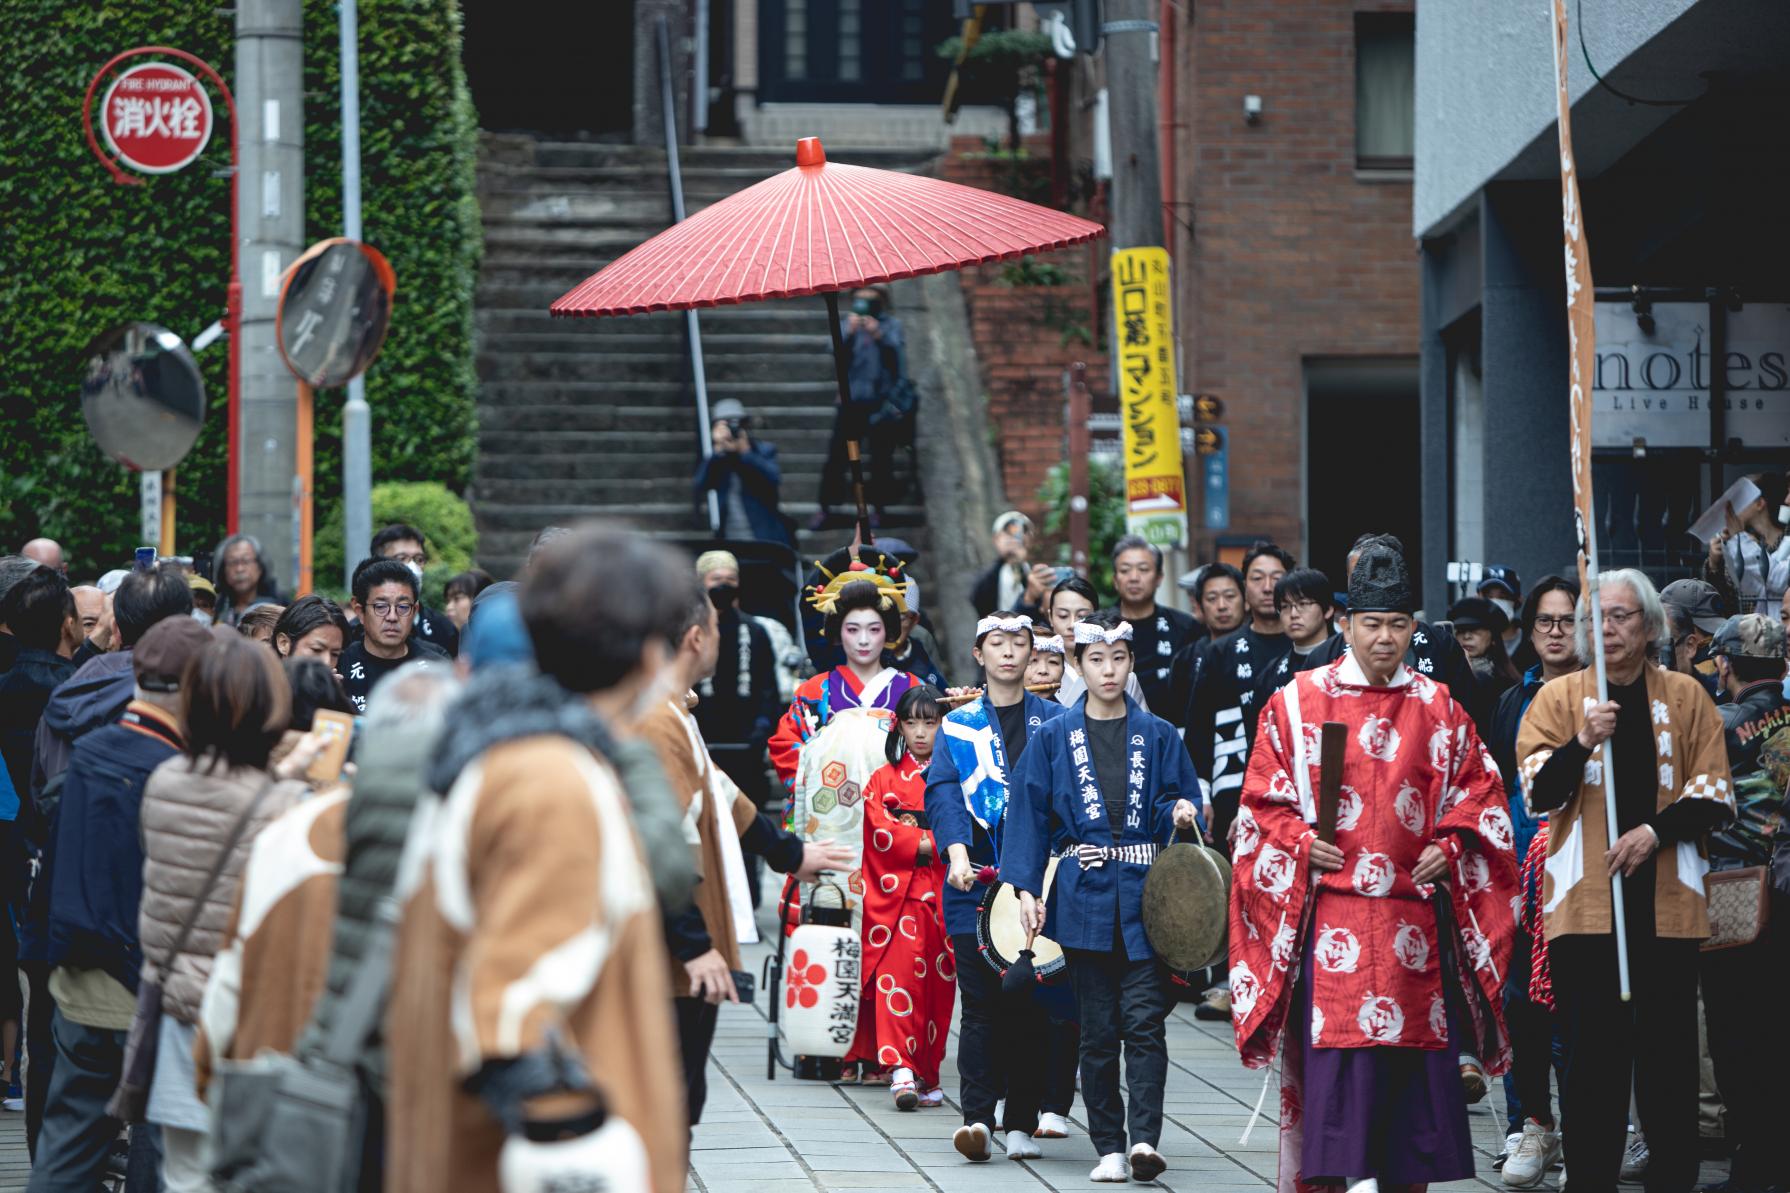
{"points": [[507, 363], [769, 159], [497, 464], [804, 443], [550, 412], [790, 401], [622, 491]]}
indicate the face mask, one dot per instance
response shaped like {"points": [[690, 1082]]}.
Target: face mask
{"points": [[722, 596], [416, 569], [201, 616], [1509, 607]]}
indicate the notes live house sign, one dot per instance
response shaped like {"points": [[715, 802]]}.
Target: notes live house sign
{"points": [[156, 117], [1653, 382]]}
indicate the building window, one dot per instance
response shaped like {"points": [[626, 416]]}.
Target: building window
{"points": [[795, 39], [850, 38], [1385, 104]]}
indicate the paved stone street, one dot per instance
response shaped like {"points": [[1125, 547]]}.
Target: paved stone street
{"points": [[768, 1135]]}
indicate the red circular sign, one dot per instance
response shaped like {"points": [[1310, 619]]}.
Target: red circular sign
{"points": [[156, 117]]}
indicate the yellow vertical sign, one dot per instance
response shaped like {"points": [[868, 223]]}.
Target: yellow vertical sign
{"points": [[1155, 501]]}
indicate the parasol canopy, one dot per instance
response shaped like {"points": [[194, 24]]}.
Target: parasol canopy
{"points": [[820, 228]]}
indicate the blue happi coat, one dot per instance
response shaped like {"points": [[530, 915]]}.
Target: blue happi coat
{"points": [[1057, 801], [968, 753]]}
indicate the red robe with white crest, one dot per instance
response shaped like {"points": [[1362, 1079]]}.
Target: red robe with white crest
{"points": [[1414, 774], [909, 970]]}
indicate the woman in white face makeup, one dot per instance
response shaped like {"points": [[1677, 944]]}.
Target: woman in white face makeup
{"points": [[830, 742]]}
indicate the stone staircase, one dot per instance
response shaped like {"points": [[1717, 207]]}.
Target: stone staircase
{"points": [[596, 417]]}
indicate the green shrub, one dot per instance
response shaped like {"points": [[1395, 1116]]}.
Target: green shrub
{"points": [[80, 253], [445, 520], [1106, 518]]}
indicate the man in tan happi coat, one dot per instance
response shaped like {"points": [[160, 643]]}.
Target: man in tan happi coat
{"points": [[1671, 787]]}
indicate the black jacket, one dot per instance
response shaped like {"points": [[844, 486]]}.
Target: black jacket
{"points": [[24, 693]]}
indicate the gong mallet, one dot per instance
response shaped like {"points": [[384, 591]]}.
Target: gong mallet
{"points": [[1332, 739]]}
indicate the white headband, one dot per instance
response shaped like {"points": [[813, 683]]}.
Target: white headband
{"points": [[1007, 625], [1087, 632], [1047, 644]]}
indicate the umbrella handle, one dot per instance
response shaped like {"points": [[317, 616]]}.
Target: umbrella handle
{"points": [[852, 451]]}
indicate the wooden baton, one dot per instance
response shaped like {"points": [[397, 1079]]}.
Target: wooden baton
{"points": [[1333, 738]]}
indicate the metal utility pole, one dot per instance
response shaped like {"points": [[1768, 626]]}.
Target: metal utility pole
{"points": [[357, 418], [271, 217], [1130, 47], [1130, 41]]}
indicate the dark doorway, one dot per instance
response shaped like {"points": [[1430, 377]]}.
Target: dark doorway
{"points": [[561, 67], [1361, 453]]}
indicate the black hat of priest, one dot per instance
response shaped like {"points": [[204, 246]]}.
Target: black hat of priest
{"points": [[1380, 583]]}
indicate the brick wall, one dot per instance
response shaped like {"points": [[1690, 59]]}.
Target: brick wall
{"points": [[1292, 255], [1019, 334]]}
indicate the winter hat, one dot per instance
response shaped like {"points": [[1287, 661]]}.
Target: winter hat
{"points": [[1380, 583]]}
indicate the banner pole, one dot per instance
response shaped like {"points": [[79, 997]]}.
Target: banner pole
{"points": [[1581, 326]]}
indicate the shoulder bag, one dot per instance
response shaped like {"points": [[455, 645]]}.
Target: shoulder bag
{"points": [[131, 1098], [298, 1123], [1739, 906]]}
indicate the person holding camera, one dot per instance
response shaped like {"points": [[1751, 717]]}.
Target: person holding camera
{"points": [[876, 355], [745, 474]]}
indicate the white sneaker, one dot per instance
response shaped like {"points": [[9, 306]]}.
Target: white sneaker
{"points": [[1529, 1163], [1146, 1163], [1111, 1169], [1510, 1149], [971, 1142], [1051, 1126], [1021, 1147]]}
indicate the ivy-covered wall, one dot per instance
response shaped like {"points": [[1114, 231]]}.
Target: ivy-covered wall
{"points": [[79, 253]]}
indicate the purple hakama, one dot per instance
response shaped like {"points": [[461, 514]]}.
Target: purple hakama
{"points": [[1396, 1114]]}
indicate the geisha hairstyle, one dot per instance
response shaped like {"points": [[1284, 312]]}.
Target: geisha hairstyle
{"points": [[862, 594], [921, 700]]}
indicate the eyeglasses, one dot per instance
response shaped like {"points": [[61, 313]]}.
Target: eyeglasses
{"points": [[1620, 617], [387, 609], [417, 557], [1298, 606], [1551, 625]]}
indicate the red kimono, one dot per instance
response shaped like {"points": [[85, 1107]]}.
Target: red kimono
{"points": [[1414, 774], [910, 973]]}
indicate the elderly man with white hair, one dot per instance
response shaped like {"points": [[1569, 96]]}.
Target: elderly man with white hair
{"points": [[1671, 786]]}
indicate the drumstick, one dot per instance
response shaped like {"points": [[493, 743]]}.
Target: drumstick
{"points": [[1333, 738]]}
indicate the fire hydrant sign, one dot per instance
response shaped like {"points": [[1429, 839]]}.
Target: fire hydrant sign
{"points": [[1155, 500], [156, 118]]}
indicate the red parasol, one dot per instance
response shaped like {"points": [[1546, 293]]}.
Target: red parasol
{"points": [[820, 228]]}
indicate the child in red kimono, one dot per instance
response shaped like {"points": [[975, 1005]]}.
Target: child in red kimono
{"points": [[909, 972]]}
